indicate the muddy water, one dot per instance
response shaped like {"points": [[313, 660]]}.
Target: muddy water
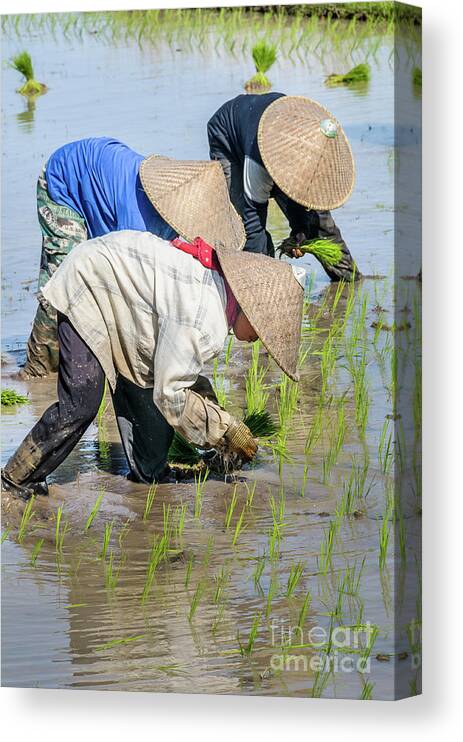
{"points": [[63, 624]]}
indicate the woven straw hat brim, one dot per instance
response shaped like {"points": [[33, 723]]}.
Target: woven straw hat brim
{"points": [[311, 168], [192, 196], [272, 300]]}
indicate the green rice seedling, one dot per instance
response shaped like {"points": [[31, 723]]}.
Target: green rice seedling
{"points": [[275, 535], [103, 406], [367, 690], [385, 448], [220, 579], [182, 451], [151, 494], [208, 553], [239, 527], [219, 385], [372, 636], [5, 534], [231, 508], [358, 74], [384, 533], [295, 573], [228, 350], [251, 491], [256, 389], [167, 523], [258, 570], [325, 250], [287, 401], [272, 591], [200, 482], [327, 546], [26, 518], [106, 539], [94, 511], [218, 618], [197, 595], [123, 533], [22, 63], [417, 77], [246, 649], [119, 642], [36, 550], [264, 55], [157, 554], [323, 674], [111, 574], [339, 292], [61, 528], [179, 519], [303, 612], [305, 474], [314, 431], [401, 535], [274, 541], [10, 398]]}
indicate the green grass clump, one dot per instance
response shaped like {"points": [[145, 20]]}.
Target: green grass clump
{"points": [[22, 63], [327, 251], [264, 55], [417, 77], [360, 73], [10, 398]]}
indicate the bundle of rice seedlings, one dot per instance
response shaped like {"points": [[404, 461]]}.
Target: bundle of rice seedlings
{"points": [[22, 63], [261, 424], [325, 250], [360, 73], [10, 398], [186, 456], [264, 55], [417, 77], [183, 452]]}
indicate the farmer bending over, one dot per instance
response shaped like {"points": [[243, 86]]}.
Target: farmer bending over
{"points": [[148, 314], [291, 149], [86, 189]]}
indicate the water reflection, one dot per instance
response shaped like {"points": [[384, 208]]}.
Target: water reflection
{"points": [[25, 119]]}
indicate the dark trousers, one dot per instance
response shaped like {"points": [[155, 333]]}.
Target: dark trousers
{"points": [[145, 434]]}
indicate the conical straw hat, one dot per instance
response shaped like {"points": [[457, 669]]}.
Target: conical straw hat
{"points": [[192, 196], [272, 298], [306, 152]]}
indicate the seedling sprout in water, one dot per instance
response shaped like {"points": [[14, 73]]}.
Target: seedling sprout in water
{"points": [[358, 74], [26, 518], [10, 398], [264, 55], [94, 511], [22, 63]]}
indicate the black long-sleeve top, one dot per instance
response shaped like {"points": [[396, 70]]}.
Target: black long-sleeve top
{"points": [[232, 133]]}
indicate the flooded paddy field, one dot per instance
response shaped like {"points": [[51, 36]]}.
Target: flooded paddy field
{"points": [[301, 577]]}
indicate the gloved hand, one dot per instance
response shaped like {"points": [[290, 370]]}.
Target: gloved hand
{"points": [[290, 246], [240, 440]]}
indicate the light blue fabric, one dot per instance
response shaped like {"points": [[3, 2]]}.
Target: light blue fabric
{"points": [[99, 179]]}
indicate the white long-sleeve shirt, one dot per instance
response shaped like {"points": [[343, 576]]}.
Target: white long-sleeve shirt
{"points": [[151, 313]]}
